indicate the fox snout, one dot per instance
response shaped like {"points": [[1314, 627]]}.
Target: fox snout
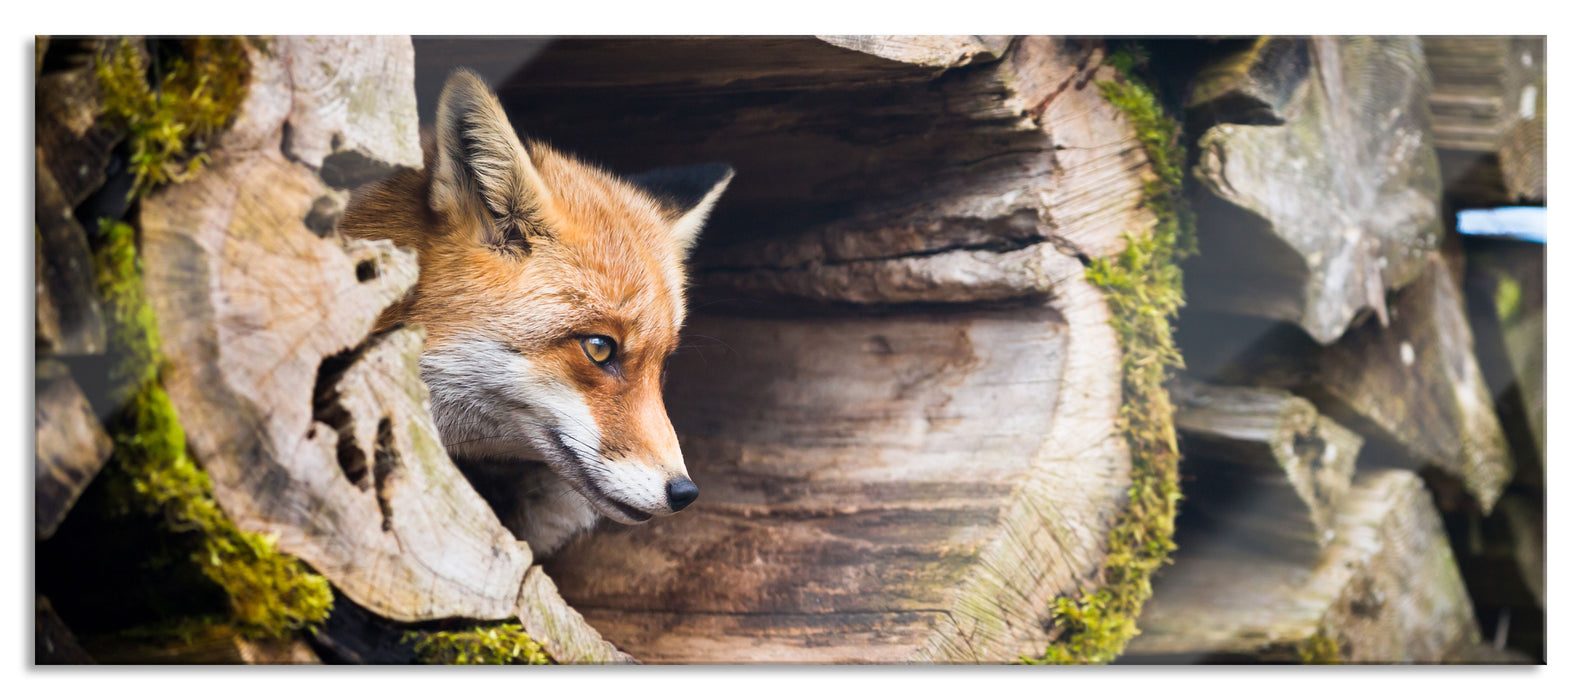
{"points": [[630, 493]]}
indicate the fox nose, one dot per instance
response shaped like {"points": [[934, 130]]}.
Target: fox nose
{"points": [[682, 492]]}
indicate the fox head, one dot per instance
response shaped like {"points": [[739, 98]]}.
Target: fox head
{"points": [[552, 295]]}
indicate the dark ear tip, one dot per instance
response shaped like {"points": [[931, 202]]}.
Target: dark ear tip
{"points": [[682, 187], [464, 84], [720, 171]]}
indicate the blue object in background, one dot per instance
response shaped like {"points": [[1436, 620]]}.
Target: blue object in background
{"points": [[1525, 223]]}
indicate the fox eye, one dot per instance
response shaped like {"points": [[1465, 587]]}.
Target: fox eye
{"points": [[599, 348]]}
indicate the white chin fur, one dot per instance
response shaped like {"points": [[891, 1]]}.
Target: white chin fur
{"points": [[489, 402]]}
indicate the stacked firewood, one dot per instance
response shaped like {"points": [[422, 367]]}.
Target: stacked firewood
{"points": [[1361, 430]]}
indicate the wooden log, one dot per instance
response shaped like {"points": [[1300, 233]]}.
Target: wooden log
{"points": [[1488, 114], [1265, 463], [69, 445], [871, 134], [1255, 85], [68, 319], [1413, 389], [310, 429], [941, 51], [1316, 219], [75, 146], [347, 122], [904, 433], [1386, 591]]}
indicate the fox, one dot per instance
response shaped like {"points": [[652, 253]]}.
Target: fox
{"points": [[552, 292]]}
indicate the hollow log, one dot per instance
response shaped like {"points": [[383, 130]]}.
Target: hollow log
{"points": [[1316, 218], [69, 445], [1264, 463], [311, 429], [1488, 112], [901, 411], [1413, 389], [1385, 591]]}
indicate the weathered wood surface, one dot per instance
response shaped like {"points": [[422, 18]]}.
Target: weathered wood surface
{"points": [[818, 133], [69, 445], [1256, 85], [1264, 462], [868, 496], [68, 319], [74, 146], [311, 429], [1413, 388], [1316, 219], [351, 117], [1386, 590], [941, 51], [1488, 111]]}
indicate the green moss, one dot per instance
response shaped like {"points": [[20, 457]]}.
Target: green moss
{"points": [[1319, 649], [270, 594], [499, 644], [1143, 287], [1508, 297], [197, 93]]}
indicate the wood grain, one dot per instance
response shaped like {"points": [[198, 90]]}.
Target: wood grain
{"points": [[1317, 219]]}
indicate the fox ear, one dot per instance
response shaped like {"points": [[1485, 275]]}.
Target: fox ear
{"points": [[688, 194], [480, 167]]}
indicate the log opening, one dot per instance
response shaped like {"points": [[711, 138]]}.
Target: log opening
{"points": [[899, 393]]}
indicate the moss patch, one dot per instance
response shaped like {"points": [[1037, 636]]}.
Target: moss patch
{"points": [[168, 123], [1143, 287], [198, 90], [1507, 298], [499, 644], [271, 595], [1319, 649]]}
